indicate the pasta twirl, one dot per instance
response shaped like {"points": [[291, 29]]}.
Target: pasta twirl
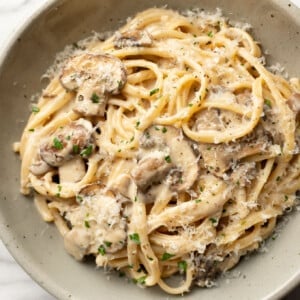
{"points": [[167, 148]]}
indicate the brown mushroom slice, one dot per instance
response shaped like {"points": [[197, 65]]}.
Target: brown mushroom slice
{"points": [[77, 242], [294, 102], [67, 142], [168, 151], [152, 168], [132, 38], [72, 170], [100, 215], [39, 167], [94, 78], [219, 158]]}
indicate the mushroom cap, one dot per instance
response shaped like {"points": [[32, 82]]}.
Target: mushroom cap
{"points": [[132, 38], [166, 155], [105, 72], [66, 142]]}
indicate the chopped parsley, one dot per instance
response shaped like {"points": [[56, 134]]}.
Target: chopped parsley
{"points": [[168, 159], [101, 250], [278, 178], [182, 265], [57, 144], [135, 238], [59, 188], [87, 224], [141, 280], [137, 124], [87, 151], [31, 129], [198, 200], [268, 103], [75, 149], [35, 109], [154, 91], [190, 104], [107, 243], [164, 130], [286, 198], [210, 34], [167, 256], [95, 98], [135, 199], [213, 220], [79, 198]]}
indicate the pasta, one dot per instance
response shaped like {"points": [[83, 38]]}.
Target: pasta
{"points": [[167, 148]]}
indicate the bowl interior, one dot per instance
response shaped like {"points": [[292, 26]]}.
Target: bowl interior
{"points": [[37, 245]]}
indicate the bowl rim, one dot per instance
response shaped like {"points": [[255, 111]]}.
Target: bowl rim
{"points": [[6, 236]]}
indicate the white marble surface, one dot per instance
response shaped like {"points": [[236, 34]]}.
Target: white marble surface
{"points": [[15, 284]]}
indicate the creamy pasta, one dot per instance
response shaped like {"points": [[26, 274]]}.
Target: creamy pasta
{"points": [[167, 148]]}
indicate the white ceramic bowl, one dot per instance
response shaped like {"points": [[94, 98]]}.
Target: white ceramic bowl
{"points": [[37, 246]]}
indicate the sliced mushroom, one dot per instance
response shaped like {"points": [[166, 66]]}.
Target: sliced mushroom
{"points": [[77, 241], [67, 142], [220, 158], [94, 78], [243, 174], [294, 102], [72, 170], [167, 154], [151, 169], [99, 215], [132, 38], [39, 167]]}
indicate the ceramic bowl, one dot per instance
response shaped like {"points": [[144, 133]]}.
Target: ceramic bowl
{"points": [[37, 246]]}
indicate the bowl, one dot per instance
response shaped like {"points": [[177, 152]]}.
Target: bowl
{"points": [[36, 245]]}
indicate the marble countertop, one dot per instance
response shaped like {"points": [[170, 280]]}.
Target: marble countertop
{"points": [[15, 284]]}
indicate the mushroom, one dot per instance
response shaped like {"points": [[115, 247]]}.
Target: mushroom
{"points": [[132, 38], [77, 242], [39, 167], [220, 158], [67, 142], [294, 103], [72, 170], [94, 78], [97, 224], [151, 169], [165, 156]]}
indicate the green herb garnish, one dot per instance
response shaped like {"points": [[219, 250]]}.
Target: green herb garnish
{"points": [[35, 109], [75, 149], [213, 220], [107, 243], [87, 224], [95, 98], [268, 103], [182, 265], [167, 256], [141, 280], [168, 159], [164, 130], [87, 151], [79, 198], [101, 250], [57, 144], [154, 91], [135, 238], [210, 34]]}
